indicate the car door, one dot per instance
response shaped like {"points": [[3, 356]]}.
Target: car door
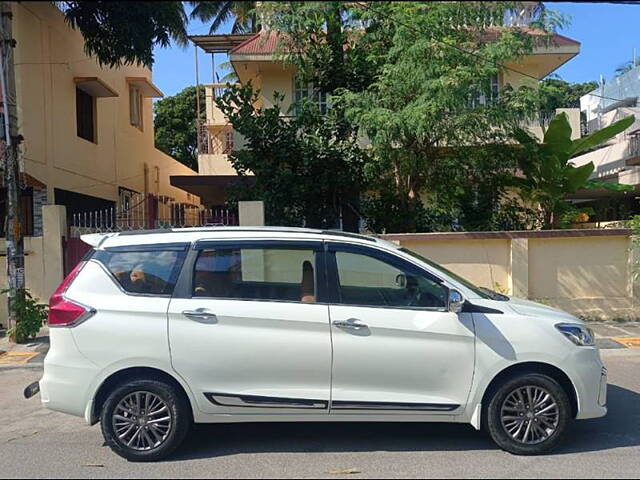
{"points": [[247, 328], [396, 348]]}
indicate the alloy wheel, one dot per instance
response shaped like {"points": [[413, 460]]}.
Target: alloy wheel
{"points": [[142, 421], [529, 414]]}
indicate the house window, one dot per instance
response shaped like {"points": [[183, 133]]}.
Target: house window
{"points": [[487, 93], [86, 116], [304, 91], [135, 106], [228, 141]]}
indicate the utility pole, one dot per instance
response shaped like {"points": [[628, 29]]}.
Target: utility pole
{"points": [[10, 144]]}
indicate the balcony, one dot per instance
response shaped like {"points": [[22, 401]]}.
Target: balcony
{"points": [[632, 152], [538, 124], [215, 141], [214, 116]]}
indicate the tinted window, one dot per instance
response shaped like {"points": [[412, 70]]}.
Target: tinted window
{"points": [[151, 272], [365, 280], [256, 273]]}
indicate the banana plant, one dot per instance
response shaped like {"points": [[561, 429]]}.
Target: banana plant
{"points": [[547, 174]]}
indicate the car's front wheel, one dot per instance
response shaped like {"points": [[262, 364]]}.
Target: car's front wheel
{"points": [[529, 414], [145, 420]]}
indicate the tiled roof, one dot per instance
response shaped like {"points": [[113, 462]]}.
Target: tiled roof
{"points": [[266, 42], [262, 43], [493, 33]]}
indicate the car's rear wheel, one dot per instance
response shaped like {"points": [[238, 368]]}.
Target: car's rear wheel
{"points": [[529, 414], [145, 420]]}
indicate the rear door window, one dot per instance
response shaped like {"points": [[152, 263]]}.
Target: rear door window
{"points": [[285, 274], [147, 271]]}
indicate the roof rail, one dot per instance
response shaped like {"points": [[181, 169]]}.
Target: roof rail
{"points": [[338, 233]]}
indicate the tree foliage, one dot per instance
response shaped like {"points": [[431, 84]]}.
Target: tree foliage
{"points": [[244, 17], [125, 33], [556, 93], [548, 176], [303, 166], [330, 43], [425, 99], [175, 126]]}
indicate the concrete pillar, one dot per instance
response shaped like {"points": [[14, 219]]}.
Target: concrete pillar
{"points": [[54, 228], [573, 115], [251, 214], [520, 267], [633, 288]]}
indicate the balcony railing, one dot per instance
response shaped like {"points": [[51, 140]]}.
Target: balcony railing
{"points": [[541, 119], [633, 147], [215, 143]]}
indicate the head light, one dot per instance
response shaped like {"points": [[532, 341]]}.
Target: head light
{"points": [[578, 334]]}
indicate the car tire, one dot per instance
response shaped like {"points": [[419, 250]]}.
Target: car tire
{"points": [[141, 435], [528, 414]]}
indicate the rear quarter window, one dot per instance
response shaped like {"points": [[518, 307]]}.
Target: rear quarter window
{"points": [[144, 271]]}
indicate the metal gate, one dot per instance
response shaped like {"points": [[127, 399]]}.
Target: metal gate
{"points": [[140, 212]]}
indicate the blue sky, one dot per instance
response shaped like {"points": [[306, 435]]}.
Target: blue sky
{"points": [[608, 33]]}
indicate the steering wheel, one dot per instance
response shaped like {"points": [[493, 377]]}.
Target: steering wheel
{"points": [[413, 288]]}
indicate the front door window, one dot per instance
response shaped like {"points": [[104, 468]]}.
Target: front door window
{"points": [[368, 281]]}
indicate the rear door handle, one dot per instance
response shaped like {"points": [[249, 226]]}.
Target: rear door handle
{"points": [[350, 324], [200, 314]]}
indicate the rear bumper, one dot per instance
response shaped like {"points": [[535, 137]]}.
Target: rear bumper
{"points": [[64, 387]]}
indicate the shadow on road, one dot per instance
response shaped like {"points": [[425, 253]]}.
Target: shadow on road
{"points": [[620, 428]]}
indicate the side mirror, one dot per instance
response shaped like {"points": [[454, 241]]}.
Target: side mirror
{"points": [[401, 280], [456, 301]]}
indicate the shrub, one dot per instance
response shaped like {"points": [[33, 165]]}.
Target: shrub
{"points": [[31, 316]]}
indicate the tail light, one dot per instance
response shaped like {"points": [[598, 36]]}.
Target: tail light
{"points": [[64, 312]]}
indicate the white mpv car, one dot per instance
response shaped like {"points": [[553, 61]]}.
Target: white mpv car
{"points": [[155, 331]]}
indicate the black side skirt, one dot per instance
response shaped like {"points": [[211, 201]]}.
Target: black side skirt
{"points": [[256, 401]]}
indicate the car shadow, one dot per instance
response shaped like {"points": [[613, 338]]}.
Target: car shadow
{"points": [[620, 428]]}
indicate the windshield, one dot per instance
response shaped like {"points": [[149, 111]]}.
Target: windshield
{"points": [[482, 292]]}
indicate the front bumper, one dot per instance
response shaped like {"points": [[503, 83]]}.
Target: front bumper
{"points": [[589, 377]]}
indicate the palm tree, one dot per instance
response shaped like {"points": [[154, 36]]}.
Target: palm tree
{"points": [[219, 12]]}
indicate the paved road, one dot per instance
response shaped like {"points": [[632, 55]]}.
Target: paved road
{"points": [[35, 442]]}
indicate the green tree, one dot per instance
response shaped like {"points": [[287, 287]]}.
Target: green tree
{"points": [[175, 126], [332, 44], [244, 16], [557, 93], [303, 166], [548, 176], [430, 95], [332, 49], [124, 33]]}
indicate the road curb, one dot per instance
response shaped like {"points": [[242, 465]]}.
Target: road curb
{"points": [[31, 366]]}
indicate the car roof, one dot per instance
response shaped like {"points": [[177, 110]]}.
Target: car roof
{"points": [[193, 234]]}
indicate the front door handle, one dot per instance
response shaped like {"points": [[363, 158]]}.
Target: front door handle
{"points": [[350, 324], [200, 314]]}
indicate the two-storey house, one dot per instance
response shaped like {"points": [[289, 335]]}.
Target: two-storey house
{"points": [[253, 58], [88, 129]]}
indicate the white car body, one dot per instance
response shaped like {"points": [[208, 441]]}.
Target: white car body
{"points": [[286, 361]]}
